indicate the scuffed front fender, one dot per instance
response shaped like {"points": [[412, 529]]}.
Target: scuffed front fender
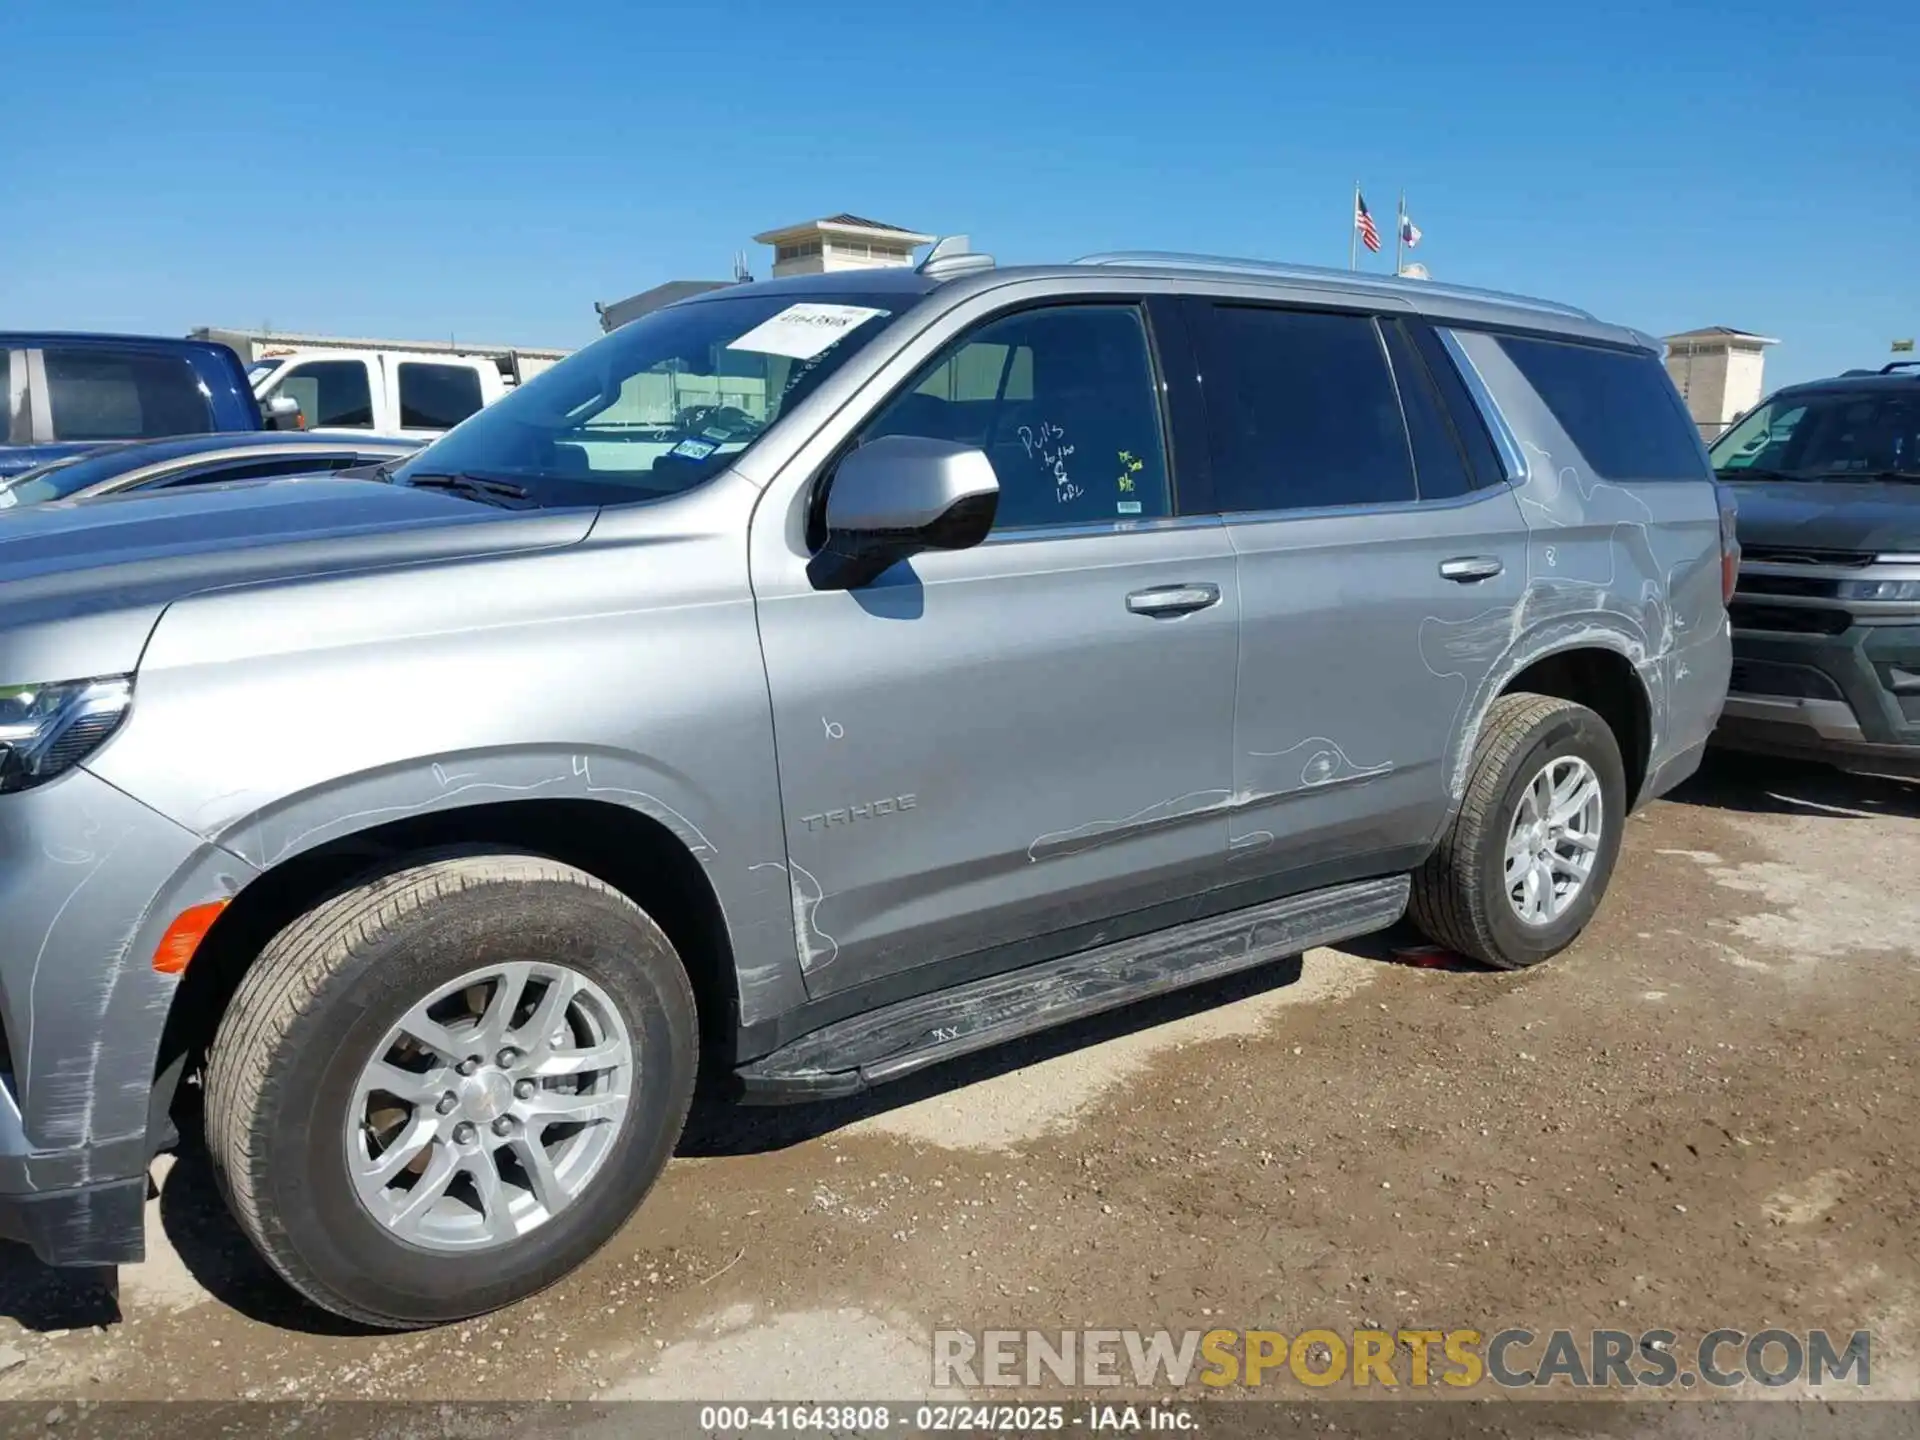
{"points": [[753, 898], [90, 879]]}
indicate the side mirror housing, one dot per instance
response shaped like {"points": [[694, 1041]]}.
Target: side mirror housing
{"points": [[899, 495], [282, 412]]}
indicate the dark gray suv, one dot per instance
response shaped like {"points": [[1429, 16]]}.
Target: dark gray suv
{"points": [[1826, 620], [817, 680]]}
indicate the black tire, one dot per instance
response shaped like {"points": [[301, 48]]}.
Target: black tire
{"points": [[313, 1007], [1459, 894]]}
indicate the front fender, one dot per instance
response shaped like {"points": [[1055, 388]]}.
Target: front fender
{"points": [[757, 910], [624, 669]]}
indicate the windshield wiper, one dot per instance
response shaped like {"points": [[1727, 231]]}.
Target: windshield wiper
{"points": [[1741, 473], [474, 487]]}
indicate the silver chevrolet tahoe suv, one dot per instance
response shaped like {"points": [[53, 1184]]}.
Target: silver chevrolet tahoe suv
{"points": [[804, 684]]}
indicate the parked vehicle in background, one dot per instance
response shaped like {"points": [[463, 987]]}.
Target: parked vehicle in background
{"points": [[195, 460], [951, 660], [1826, 621], [70, 392], [338, 391], [384, 386]]}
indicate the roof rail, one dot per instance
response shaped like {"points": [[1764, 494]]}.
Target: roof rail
{"points": [[1894, 365], [1325, 275], [953, 255]]}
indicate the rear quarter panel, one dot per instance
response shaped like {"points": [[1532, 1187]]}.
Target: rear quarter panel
{"points": [[1632, 567]]}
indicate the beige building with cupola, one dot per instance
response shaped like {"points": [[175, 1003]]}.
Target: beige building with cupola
{"points": [[840, 242], [1720, 372]]}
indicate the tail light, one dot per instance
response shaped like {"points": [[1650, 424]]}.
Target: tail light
{"points": [[1729, 542]]}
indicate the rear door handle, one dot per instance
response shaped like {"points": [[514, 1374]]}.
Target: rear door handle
{"points": [[1173, 599], [1465, 569]]}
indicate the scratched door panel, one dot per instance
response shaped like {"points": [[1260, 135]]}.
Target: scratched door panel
{"points": [[1351, 685], [1357, 666], [989, 745]]}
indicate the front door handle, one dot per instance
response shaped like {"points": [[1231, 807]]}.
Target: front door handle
{"points": [[1465, 569], [1173, 599]]}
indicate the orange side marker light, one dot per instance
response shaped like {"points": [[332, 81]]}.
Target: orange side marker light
{"points": [[184, 935]]}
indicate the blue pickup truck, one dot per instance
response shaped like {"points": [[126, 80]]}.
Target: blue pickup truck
{"points": [[70, 392]]}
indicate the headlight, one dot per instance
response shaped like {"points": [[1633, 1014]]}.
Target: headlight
{"points": [[1880, 589], [48, 729]]}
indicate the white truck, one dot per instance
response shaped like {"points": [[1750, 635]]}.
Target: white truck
{"points": [[389, 388]]}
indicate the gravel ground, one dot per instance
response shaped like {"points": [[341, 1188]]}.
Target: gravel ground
{"points": [[1701, 1115]]}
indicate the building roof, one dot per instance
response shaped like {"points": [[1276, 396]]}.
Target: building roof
{"points": [[843, 221], [1724, 333], [616, 313]]}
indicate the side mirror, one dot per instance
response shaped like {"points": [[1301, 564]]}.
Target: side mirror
{"points": [[897, 496], [282, 412]]}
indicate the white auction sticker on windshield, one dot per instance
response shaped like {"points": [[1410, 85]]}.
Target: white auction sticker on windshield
{"points": [[803, 331]]}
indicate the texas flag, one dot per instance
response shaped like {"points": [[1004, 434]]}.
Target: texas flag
{"points": [[1409, 232]]}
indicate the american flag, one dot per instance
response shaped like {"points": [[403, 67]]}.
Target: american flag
{"points": [[1363, 222]]}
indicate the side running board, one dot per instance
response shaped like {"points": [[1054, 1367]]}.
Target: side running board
{"points": [[862, 1050]]}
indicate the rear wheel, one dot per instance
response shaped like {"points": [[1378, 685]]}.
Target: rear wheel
{"points": [[1529, 854], [444, 1089]]}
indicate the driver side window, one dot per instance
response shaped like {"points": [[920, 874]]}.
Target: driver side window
{"points": [[1064, 404]]}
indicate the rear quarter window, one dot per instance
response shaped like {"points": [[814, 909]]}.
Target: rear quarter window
{"points": [[1618, 406], [100, 395]]}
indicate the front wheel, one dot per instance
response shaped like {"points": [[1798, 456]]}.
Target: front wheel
{"points": [[1522, 867], [441, 1091]]}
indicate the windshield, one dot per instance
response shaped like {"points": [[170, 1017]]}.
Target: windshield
{"points": [[1837, 435], [260, 369], [661, 404]]}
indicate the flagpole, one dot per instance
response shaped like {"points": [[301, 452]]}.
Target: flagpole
{"points": [[1353, 229], [1399, 232]]}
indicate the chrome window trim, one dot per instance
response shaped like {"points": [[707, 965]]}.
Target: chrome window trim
{"points": [[1371, 507], [1027, 534], [1512, 459]]}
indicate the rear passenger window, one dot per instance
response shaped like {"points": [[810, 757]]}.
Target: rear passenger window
{"points": [[1468, 423], [332, 394], [1439, 468], [98, 395], [1302, 411], [1617, 406], [437, 397], [1063, 401]]}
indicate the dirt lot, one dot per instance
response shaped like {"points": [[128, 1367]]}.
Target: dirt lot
{"points": [[1702, 1115]]}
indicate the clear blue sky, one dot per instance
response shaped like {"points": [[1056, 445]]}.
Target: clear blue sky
{"points": [[489, 170]]}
